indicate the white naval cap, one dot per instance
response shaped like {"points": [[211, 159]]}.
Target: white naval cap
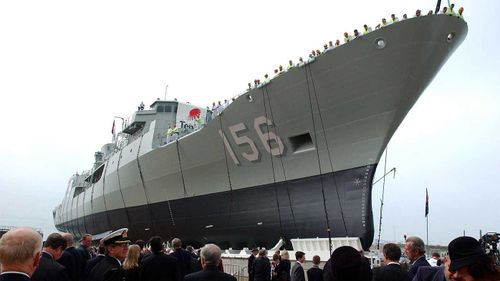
{"points": [[116, 237]]}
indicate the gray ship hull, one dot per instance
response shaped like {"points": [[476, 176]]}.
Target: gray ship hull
{"points": [[290, 159]]}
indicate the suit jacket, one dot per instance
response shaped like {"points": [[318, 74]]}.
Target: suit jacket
{"points": [[250, 264], [91, 263], [297, 272], [418, 263], [210, 273], [430, 273], [133, 274], [109, 269], [74, 263], [315, 274], [282, 270], [159, 266], [13, 277], [49, 270], [262, 269], [327, 270], [84, 253], [391, 272], [184, 260]]}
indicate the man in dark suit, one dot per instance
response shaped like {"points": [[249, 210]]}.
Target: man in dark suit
{"points": [[49, 269], [101, 253], [262, 267], [315, 273], [392, 270], [84, 247], [430, 273], [72, 260], [415, 251], [250, 264], [297, 273], [183, 257], [110, 268], [20, 250], [158, 265], [210, 258]]}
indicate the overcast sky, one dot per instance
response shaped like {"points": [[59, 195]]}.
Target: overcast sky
{"points": [[68, 67]]}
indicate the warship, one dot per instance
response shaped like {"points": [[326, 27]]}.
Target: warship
{"points": [[293, 157]]}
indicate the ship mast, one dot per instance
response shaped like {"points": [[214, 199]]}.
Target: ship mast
{"points": [[382, 199]]}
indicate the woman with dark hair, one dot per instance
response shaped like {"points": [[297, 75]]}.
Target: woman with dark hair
{"points": [[469, 262]]}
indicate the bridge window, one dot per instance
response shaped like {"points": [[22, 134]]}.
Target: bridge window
{"points": [[159, 108], [78, 190]]}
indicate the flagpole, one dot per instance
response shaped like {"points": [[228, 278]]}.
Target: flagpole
{"points": [[427, 217], [427, 242]]}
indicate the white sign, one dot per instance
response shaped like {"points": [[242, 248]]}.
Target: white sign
{"points": [[190, 117]]}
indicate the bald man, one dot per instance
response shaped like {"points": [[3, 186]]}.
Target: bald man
{"points": [[210, 259], [20, 251]]}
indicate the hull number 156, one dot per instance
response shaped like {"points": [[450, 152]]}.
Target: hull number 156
{"points": [[271, 142]]}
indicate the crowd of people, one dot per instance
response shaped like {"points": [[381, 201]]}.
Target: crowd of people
{"points": [[347, 38], [217, 108], [24, 257], [466, 260]]}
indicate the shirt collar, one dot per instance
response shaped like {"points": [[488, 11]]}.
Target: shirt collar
{"points": [[418, 259], [119, 262], [48, 254], [393, 262], [15, 272]]}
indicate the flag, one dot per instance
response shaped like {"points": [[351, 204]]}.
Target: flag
{"points": [[426, 203], [113, 128], [438, 7]]}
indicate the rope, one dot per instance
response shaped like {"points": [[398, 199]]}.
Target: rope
{"points": [[171, 214], [144, 185], [272, 164], [83, 205], [327, 147], [382, 200], [282, 165], [120, 186], [104, 197], [328, 230], [231, 196], [180, 167]]}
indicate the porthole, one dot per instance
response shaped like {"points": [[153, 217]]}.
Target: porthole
{"points": [[249, 98], [450, 37], [380, 43]]}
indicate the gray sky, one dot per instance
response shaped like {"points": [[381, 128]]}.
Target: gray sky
{"points": [[67, 67]]}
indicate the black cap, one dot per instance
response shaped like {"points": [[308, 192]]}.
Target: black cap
{"points": [[347, 264], [464, 251], [345, 257]]}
